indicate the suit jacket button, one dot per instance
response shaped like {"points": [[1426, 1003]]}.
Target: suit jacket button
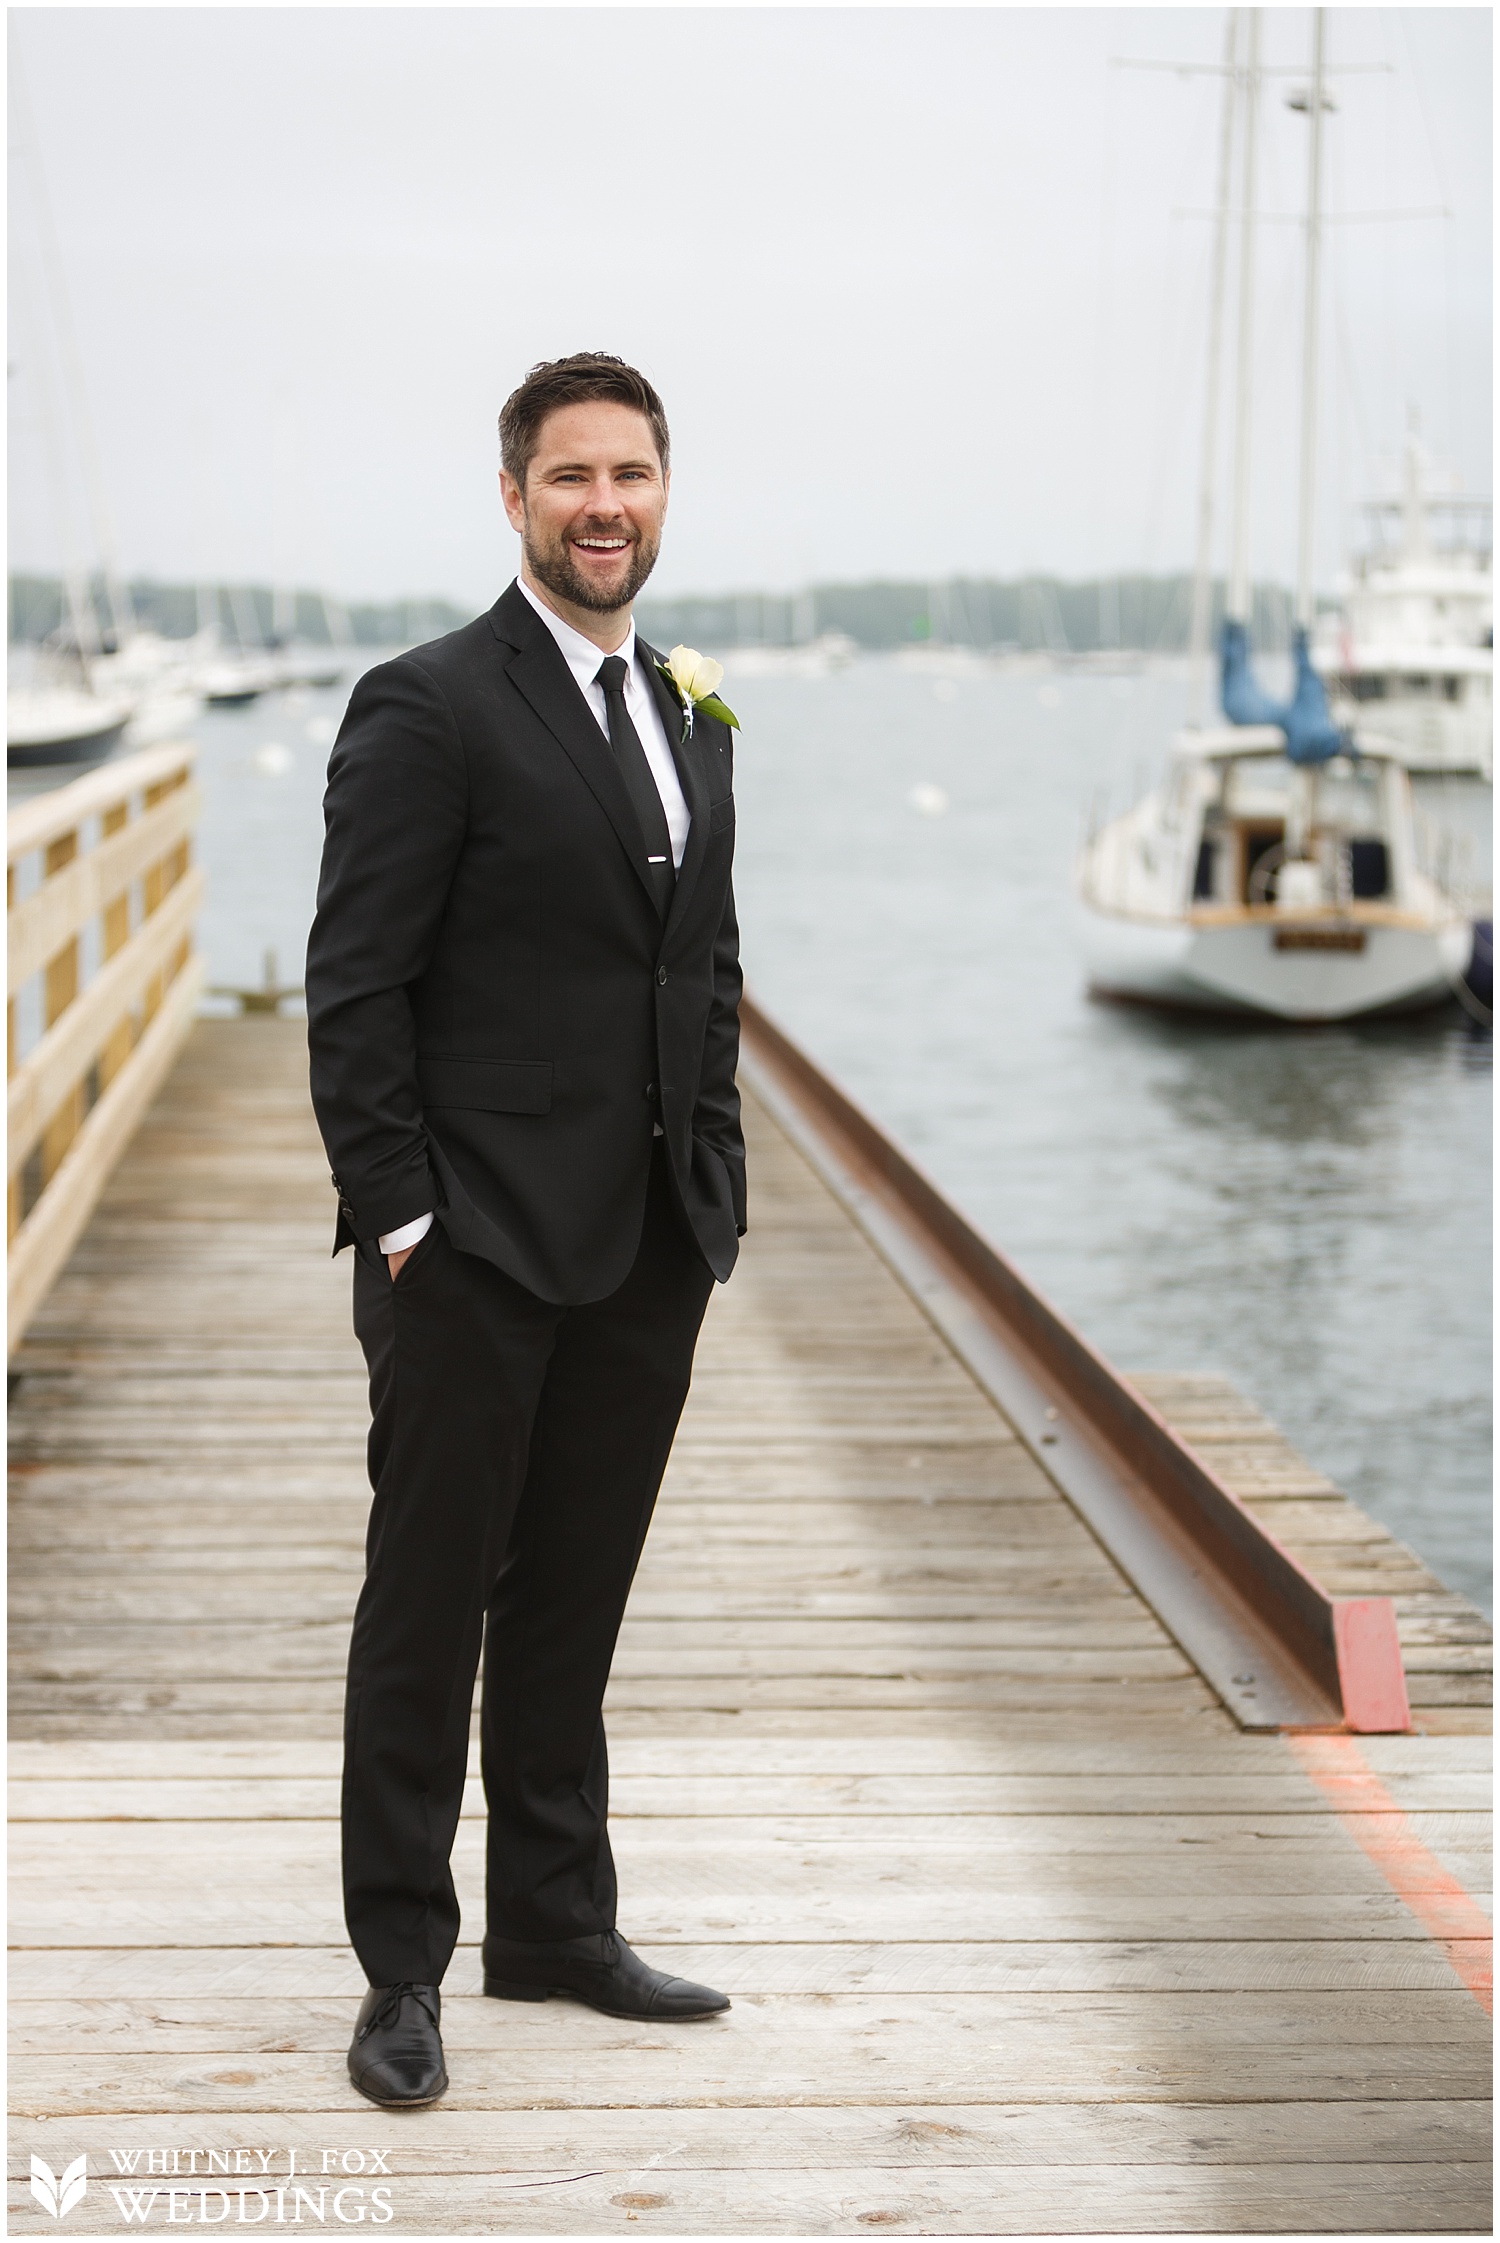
{"points": [[661, 976], [650, 1090]]}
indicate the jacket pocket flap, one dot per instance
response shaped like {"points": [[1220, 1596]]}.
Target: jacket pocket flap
{"points": [[495, 1086], [721, 814]]}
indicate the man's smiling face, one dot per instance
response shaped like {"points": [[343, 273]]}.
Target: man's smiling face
{"points": [[591, 510]]}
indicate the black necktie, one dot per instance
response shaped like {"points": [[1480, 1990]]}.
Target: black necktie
{"points": [[639, 784]]}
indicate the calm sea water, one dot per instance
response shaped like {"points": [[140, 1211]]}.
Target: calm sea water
{"points": [[1303, 1210]]}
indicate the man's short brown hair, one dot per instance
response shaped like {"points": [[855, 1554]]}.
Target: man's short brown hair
{"points": [[579, 380]]}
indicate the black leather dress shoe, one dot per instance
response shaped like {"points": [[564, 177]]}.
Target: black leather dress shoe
{"points": [[396, 2055], [598, 1969]]}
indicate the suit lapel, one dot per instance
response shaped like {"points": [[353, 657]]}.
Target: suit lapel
{"points": [[538, 671], [690, 777]]}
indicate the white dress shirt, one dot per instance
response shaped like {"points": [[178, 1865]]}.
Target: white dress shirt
{"points": [[583, 659]]}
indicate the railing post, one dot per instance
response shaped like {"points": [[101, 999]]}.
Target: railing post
{"points": [[13, 1183], [159, 880], [115, 920], [60, 987]]}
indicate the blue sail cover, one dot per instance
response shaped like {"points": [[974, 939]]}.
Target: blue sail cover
{"points": [[1311, 734]]}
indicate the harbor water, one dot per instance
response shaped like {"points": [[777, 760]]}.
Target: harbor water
{"points": [[1305, 1210]]}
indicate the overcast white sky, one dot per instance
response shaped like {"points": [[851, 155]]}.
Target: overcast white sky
{"points": [[915, 282]]}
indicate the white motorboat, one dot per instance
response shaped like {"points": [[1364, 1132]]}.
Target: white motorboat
{"points": [[816, 658], [233, 677], [303, 664], [65, 723], [1412, 647], [1250, 884]]}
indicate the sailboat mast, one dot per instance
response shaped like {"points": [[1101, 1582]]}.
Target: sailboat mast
{"points": [[121, 614], [1238, 604], [1198, 636], [1307, 503]]}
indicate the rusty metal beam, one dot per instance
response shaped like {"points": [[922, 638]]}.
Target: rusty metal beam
{"points": [[1278, 1650]]}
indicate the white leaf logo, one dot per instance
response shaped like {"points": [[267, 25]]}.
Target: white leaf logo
{"points": [[59, 2196]]}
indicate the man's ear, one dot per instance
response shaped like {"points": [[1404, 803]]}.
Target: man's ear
{"points": [[511, 499]]}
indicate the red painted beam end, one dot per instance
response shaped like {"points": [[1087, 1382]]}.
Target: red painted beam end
{"points": [[1372, 1680]]}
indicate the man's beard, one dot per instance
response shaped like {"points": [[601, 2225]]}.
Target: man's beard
{"points": [[563, 577]]}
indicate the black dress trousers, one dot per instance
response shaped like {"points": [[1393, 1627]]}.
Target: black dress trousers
{"points": [[516, 1450]]}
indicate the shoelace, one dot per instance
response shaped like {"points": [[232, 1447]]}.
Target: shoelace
{"points": [[390, 2009]]}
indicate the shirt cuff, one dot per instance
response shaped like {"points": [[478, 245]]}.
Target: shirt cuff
{"points": [[397, 1241]]}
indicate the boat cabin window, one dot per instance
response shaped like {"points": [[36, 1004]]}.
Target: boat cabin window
{"points": [[1369, 868], [1257, 788], [1349, 799]]}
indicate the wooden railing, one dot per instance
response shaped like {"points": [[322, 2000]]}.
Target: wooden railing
{"points": [[101, 900]]}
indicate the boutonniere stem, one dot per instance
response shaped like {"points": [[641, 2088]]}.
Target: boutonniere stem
{"points": [[694, 680]]}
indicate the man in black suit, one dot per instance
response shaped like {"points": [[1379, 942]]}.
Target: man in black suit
{"points": [[522, 989]]}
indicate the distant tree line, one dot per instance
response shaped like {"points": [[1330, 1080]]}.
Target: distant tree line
{"points": [[248, 612], [1043, 613]]}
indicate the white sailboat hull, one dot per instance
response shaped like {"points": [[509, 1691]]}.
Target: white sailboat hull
{"points": [[63, 724], [1263, 968]]}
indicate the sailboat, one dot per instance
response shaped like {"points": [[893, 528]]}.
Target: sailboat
{"points": [[65, 711], [230, 677], [1278, 870], [63, 722], [300, 661]]}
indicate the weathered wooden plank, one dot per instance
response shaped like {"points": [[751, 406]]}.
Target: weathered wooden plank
{"points": [[948, 2135], [692, 1904], [552, 2033], [196, 1705], [169, 1713], [1229, 1969], [1041, 1816], [1104, 1854], [1405, 1764], [231, 1650], [695, 2069]]}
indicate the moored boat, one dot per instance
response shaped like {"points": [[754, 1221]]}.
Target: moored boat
{"points": [[1281, 869], [1250, 884], [1412, 646], [64, 724]]}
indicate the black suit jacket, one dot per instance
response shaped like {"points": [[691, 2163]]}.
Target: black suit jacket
{"points": [[497, 1012]]}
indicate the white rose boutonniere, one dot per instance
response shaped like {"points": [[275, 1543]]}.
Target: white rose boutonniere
{"points": [[694, 679]]}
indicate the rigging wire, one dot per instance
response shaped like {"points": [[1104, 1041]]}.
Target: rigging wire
{"points": [[1455, 442]]}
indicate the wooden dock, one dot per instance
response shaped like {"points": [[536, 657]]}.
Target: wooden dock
{"points": [[1024, 1933]]}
